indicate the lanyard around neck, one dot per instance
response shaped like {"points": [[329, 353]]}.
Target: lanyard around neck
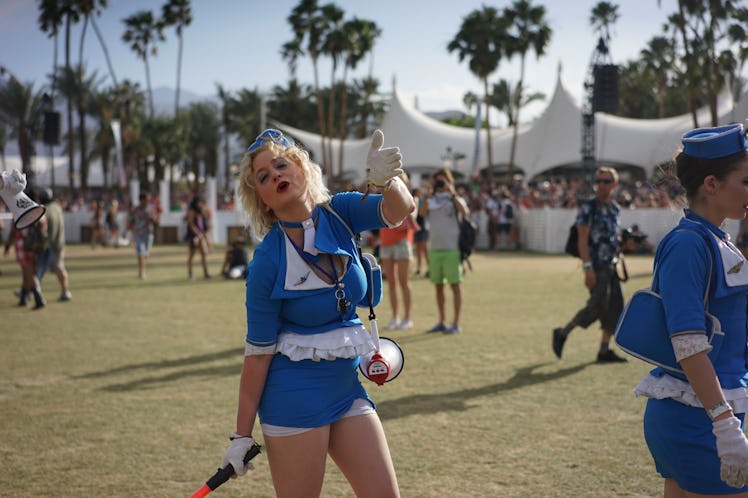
{"points": [[343, 305]]}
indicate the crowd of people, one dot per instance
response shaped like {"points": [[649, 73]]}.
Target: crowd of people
{"points": [[305, 341]]}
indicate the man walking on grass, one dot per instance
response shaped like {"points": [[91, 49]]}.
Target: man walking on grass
{"points": [[598, 223]]}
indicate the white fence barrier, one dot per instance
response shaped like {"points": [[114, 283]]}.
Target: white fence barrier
{"points": [[542, 230]]}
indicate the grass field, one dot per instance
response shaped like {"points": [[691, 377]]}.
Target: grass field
{"points": [[130, 389]]}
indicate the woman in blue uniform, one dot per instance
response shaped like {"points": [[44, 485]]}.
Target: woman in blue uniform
{"points": [[304, 338], [693, 422]]}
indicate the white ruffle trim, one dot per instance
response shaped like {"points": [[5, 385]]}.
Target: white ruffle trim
{"points": [[345, 342], [668, 386]]}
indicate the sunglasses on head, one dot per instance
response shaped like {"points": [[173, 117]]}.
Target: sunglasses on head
{"points": [[606, 181], [270, 135]]}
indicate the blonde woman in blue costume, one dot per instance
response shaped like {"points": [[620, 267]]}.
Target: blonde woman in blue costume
{"points": [[693, 423], [304, 338]]}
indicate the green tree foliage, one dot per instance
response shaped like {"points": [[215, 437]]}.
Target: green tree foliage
{"points": [[482, 40]]}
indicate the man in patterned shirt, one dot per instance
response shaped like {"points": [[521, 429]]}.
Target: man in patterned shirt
{"points": [[598, 223]]}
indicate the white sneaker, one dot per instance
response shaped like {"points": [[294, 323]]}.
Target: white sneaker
{"points": [[405, 324], [393, 324]]}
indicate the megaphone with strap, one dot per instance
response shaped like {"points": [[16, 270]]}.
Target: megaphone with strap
{"points": [[25, 211], [384, 364]]}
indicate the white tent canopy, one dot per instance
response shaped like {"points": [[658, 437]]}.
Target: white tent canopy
{"points": [[553, 139]]}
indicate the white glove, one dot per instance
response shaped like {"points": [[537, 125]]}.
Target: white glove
{"points": [[382, 164], [732, 448], [13, 181], [235, 453]]}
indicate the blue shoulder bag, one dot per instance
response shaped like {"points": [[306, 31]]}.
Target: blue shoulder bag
{"points": [[642, 329]]}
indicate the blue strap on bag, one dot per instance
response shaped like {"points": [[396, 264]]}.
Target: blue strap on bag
{"points": [[642, 327]]}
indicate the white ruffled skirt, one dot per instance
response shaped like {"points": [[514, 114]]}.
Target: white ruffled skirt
{"points": [[679, 390], [343, 342]]}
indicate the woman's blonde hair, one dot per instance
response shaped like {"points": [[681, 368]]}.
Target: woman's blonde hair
{"points": [[259, 219]]}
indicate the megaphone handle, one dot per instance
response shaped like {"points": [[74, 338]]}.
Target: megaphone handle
{"points": [[374, 333]]}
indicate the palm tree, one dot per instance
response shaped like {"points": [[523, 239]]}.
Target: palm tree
{"points": [[3, 143], [293, 104], [602, 17], [366, 88], [658, 58], [504, 98], [308, 24], [334, 46], [78, 86], [529, 30], [204, 139], [87, 8], [177, 13], [679, 24], [482, 39], [224, 96], [245, 116], [360, 36], [101, 107], [50, 20], [141, 33], [739, 40], [17, 102], [129, 110], [52, 13]]}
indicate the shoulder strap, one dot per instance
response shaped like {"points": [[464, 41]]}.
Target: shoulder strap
{"points": [[354, 236], [357, 240], [709, 281]]}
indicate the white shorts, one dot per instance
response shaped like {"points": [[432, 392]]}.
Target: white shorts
{"points": [[399, 250], [359, 407]]}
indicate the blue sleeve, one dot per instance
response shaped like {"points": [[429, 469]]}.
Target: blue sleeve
{"points": [[683, 273], [359, 215], [263, 313], [584, 215]]}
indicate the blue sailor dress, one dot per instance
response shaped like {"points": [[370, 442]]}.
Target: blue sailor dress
{"points": [[312, 379], [676, 426]]}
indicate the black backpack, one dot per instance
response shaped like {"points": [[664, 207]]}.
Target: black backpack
{"points": [[466, 239], [508, 211]]}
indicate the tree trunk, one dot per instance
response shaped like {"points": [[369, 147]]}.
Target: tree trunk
{"points": [[179, 77], [488, 132], [342, 122], [330, 120], [105, 50], [70, 135], [150, 90], [320, 118], [517, 106], [84, 146]]}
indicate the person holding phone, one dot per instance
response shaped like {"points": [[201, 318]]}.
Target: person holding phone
{"points": [[441, 210]]}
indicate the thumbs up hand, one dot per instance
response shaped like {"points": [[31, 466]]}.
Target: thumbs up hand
{"points": [[382, 164]]}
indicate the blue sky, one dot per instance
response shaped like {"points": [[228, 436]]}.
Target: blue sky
{"points": [[237, 43]]}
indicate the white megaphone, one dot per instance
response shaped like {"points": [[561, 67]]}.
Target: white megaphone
{"points": [[25, 211], [384, 364]]}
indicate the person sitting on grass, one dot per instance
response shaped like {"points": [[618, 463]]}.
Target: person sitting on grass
{"points": [[235, 264]]}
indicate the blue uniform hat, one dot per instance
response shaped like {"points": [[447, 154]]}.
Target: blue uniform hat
{"points": [[711, 143]]}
